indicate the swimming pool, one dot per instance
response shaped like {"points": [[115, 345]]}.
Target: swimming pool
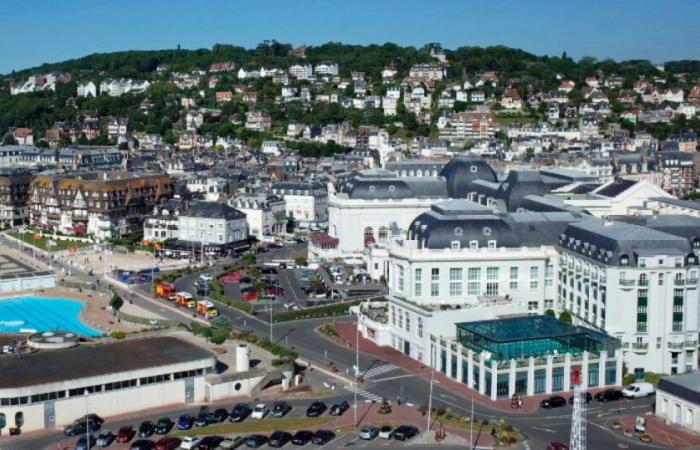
{"points": [[36, 314]]}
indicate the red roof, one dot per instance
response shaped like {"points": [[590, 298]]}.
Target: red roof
{"points": [[321, 238]]}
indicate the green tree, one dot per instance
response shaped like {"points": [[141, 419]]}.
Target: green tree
{"points": [[565, 316], [301, 261], [550, 313]]}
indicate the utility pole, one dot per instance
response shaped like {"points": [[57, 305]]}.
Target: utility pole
{"points": [[578, 414], [357, 370], [430, 396], [471, 424]]}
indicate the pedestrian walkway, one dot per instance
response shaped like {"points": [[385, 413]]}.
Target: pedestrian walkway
{"points": [[379, 370], [362, 392]]}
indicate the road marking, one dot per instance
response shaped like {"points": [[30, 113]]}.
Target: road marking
{"points": [[379, 380], [374, 371], [544, 429], [448, 396], [362, 392]]}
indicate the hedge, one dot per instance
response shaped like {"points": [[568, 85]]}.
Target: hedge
{"points": [[337, 309]]}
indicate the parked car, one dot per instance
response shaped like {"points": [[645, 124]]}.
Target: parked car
{"points": [[189, 442], [81, 427], [143, 444], [405, 432], [268, 270], [168, 443], [278, 439], [302, 437], [322, 437], [274, 292], [609, 395], [239, 412], [557, 446], [206, 277], [209, 442], [245, 279], [85, 442], [369, 432], [184, 422], [105, 438], [255, 440], [220, 414], [164, 425], [231, 441], [589, 398], [125, 434], [250, 295], [386, 432], [555, 401], [280, 409], [259, 411], [146, 429], [638, 389], [339, 408], [316, 409]]}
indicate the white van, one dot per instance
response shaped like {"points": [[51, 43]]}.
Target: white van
{"points": [[638, 389]]}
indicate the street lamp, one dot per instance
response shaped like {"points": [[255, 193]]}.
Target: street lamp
{"points": [[87, 421]]}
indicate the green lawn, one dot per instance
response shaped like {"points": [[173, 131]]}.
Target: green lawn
{"points": [[43, 242], [504, 121], [257, 426]]}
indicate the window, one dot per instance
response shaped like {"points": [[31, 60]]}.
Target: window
{"points": [[400, 318], [533, 307], [661, 279], [474, 273], [393, 315], [418, 287], [549, 271], [455, 245], [434, 282], [382, 233], [643, 279], [491, 244], [492, 288], [401, 279], [492, 273], [474, 245], [408, 322], [514, 278], [455, 281], [419, 328]]}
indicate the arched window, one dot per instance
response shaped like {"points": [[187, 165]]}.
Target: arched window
{"points": [[369, 232], [3, 421], [19, 419]]}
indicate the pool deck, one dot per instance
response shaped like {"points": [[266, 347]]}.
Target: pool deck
{"points": [[95, 314]]}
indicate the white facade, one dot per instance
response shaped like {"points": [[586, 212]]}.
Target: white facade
{"points": [[87, 89], [265, 216], [211, 230]]}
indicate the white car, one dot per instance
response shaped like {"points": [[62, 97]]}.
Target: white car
{"points": [[386, 432], [638, 389], [259, 411], [206, 277], [189, 442]]}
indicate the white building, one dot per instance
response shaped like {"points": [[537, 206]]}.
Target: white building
{"points": [[301, 71], [212, 224], [305, 203], [265, 214], [678, 401], [275, 147], [211, 188], [327, 69], [86, 89]]}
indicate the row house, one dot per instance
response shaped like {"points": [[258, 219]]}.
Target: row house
{"points": [[463, 126], [115, 88]]}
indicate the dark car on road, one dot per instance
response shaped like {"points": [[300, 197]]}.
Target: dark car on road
{"points": [[184, 422], [405, 432], [220, 414], [164, 425], [322, 437], [143, 444], [210, 442], [278, 439], [555, 401], [589, 398], [267, 270], [83, 443], [609, 395], [125, 434], [316, 409], [146, 429], [557, 446], [255, 440], [240, 412], [339, 408], [302, 437], [81, 427], [280, 409]]}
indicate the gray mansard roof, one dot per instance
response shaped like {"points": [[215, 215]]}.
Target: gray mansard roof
{"points": [[677, 224], [466, 222], [520, 184], [462, 171], [212, 210], [608, 242], [392, 187]]}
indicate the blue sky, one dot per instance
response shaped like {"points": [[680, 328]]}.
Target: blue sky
{"points": [[38, 31]]}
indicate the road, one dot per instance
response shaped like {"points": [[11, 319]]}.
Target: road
{"points": [[541, 427]]}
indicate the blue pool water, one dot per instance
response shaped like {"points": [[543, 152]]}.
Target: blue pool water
{"points": [[21, 314]]}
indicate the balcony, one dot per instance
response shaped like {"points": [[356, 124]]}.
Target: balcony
{"points": [[641, 309], [679, 282], [675, 345], [628, 284], [691, 283], [691, 344], [643, 283], [640, 347]]}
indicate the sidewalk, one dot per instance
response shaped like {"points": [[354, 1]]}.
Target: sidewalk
{"points": [[347, 330], [661, 433]]}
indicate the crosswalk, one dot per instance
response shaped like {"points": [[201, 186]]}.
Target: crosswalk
{"points": [[362, 392], [379, 370]]}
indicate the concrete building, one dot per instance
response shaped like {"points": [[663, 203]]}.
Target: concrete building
{"points": [[212, 224], [305, 203], [678, 400], [265, 214]]}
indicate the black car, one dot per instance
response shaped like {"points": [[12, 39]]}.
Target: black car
{"points": [[609, 395], [239, 412], [316, 409], [339, 408], [255, 440], [81, 427], [143, 444], [280, 409], [302, 437], [245, 279], [589, 398], [555, 401], [146, 429], [322, 437], [278, 439], [220, 414], [94, 417], [164, 425], [405, 432], [209, 442], [267, 270]]}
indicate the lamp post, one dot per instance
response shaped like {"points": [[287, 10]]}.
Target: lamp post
{"points": [[87, 421], [430, 396]]}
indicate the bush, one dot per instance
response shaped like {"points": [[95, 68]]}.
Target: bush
{"points": [[117, 335], [550, 313], [218, 336], [565, 316], [338, 309], [301, 261]]}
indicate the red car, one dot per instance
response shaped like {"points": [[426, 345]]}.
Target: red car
{"points": [[168, 443], [251, 295], [557, 446], [125, 434], [274, 292]]}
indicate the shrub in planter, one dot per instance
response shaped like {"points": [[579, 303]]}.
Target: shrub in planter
{"points": [[628, 432], [117, 334], [616, 424], [646, 437]]}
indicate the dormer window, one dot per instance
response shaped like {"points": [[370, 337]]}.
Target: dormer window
{"points": [[371, 188], [492, 244], [624, 260], [474, 245], [455, 245], [459, 231], [392, 188], [473, 169]]}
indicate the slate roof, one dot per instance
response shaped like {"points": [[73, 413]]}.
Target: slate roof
{"points": [[615, 188], [462, 171], [686, 386], [213, 210], [385, 187]]}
